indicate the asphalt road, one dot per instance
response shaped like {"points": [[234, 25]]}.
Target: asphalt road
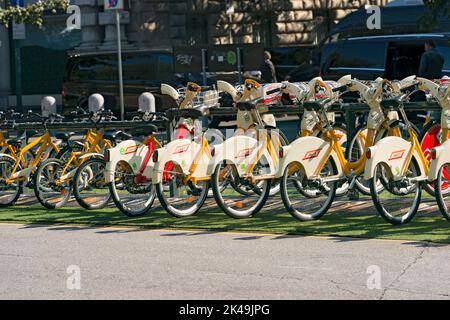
{"points": [[36, 262]]}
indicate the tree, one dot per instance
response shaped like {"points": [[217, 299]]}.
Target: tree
{"points": [[31, 14]]}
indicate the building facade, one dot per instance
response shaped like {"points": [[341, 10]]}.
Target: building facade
{"points": [[161, 24]]}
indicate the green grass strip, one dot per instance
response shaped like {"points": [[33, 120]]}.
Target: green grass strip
{"points": [[422, 228]]}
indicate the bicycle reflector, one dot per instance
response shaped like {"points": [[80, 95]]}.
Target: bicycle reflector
{"points": [[155, 156], [106, 155], [213, 151], [281, 152], [433, 153], [368, 153]]}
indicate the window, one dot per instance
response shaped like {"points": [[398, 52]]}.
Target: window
{"points": [[139, 68], [100, 68], [360, 55], [445, 50], [165, 66]]}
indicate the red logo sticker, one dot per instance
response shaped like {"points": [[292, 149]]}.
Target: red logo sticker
{"points": [[244, 153], [397, 155], [181, 149], [312, 154]]}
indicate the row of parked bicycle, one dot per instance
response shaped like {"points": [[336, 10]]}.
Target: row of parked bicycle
{"points": [[385, 156]]}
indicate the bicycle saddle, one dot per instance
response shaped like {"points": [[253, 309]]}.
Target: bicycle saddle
{"points": [[31, 133], [391, 103], [64, 135], [248, 105], [113, 136], [146, 130], [15, 142], [315, 105]]}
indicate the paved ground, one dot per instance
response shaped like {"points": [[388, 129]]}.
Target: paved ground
{"points": [[126, 263]]}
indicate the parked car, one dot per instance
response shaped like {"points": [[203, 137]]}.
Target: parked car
{"points": [[392, 52], [288, 58], [97, 73], [389, 56]]}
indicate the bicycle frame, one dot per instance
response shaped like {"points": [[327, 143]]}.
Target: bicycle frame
{"points": [[46, 145], [93, 146], [192, 157], [137, 155], [312, 153], [396, 154]]}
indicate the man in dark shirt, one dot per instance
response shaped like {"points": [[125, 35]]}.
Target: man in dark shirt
{"points": [[268, 73], [431, 62]]}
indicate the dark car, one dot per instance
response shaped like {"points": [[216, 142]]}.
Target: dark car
{"points": [[392, 52], [391, 56], [288, 58], [98, 73]]}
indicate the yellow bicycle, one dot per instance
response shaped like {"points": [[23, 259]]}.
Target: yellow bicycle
{"points": [[54, 179], [15, 171]]}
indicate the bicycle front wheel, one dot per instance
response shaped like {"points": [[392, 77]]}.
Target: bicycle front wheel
{"points": [[89, 186], [50, 187]]}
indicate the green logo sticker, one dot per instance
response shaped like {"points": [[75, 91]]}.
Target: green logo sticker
{"points": [[183, 163], [231, 57], [122, 151], [134, 165], [243, 166]]}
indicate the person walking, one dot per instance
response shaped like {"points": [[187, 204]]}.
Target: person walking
{"points": [[268, 72], [432, 62]]}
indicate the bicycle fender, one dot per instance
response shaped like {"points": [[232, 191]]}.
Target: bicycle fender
{"points": [[393, 152], [442, 158], [132, 152], [8, 156], [310, 152], [180, 152], [242, 151], [91, 155]]}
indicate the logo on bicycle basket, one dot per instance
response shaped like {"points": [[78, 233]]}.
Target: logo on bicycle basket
{"points": [[312, 154], [244, 153], [397, 154], [181, 149]]}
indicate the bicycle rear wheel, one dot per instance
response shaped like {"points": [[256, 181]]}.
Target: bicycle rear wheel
{"points": [[399, 201], [9, 192], [178, 197], [294, 187], [130, 197], [443, 190], [430, 137], [234, 203]]}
